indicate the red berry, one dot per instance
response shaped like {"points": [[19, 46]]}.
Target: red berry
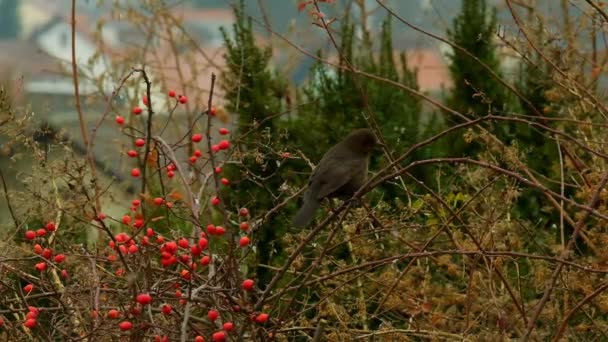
{"points": [[135, 202], [126, 325], [30, 235], [223, 131], [139, 223], [139, 142], [145, 100], [137, 110], [261, 318], [225, 181], [101, 217], [219, 230], [198, 153], [244, 226], [133, 249], [244, 242], [285, 155], [30, 323], [121, 237], [215, 200], [171, 247], [126, 219], [64, 274], [205, 260], [113, 314], [135, 172], [144, 298], [149, 232], [158, 201], [219, 336], [168, 262], [213, 315], [41, 232], [59, 258], [123, 249], [160, 239], [196, 250], [212, 111], [169, 205], [136, 310], [170, 174], [50, 226], [199, 338], [171, 93], [41, 266], [120, 120], [218, 169], [166, 309], [132, 153], [47, 253], [145, 240], [197, 137], [183, 243], [215, 148], [193, 159], [186, 274], [228, 326], [224, 145], [28, 288], [165, 255], [183, 99], [244, 212], [248, 284], [202, 243], [37, 249]]}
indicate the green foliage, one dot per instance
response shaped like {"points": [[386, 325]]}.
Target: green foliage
{"points": [[335, 100], [254, 94], [476, 92], [10, 24]]}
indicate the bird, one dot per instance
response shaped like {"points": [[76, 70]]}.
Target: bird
{"points": [[339, 174]]}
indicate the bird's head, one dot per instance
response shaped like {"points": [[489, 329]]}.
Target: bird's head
{"points": [[361, 141]]}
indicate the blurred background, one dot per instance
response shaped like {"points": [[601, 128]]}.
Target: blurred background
{"points": [[35, 56]]}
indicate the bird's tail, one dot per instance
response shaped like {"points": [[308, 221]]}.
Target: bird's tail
{"points": [[307, 212]]}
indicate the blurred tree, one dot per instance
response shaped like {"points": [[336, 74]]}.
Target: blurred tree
{"points": [[210, 3], [335, 100], [10, 21], [255, 95], [537, 85], [475, 93]]}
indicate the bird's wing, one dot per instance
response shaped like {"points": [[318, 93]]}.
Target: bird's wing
{"points": [[333, 177]]}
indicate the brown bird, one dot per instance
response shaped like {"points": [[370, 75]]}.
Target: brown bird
{"points": [[340, 173]]}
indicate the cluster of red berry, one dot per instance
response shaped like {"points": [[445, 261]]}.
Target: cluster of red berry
{"points": [[182, 251]]}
